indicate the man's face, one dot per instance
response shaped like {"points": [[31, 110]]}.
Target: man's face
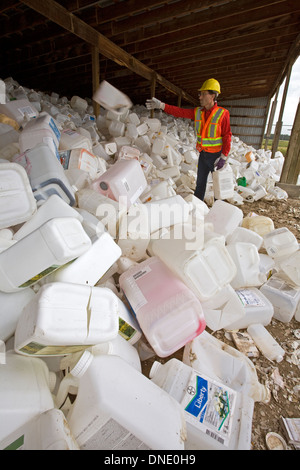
{"points": [[206, 99]]}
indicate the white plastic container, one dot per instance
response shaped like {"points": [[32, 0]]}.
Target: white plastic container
{"points": [[111, 98], [118, 408], [280, 242], [19, 110], [57, 242], [46, 175], [64, 318], [12, 305], [167, 212], [259, 224], [125, 178], [265, 342], [17, 202], [205, 271], [79, 159], [89, 267], [43, 129], [47, 431], [79, 104], [247, 261], [167, 311], [242, 234], [225, 217], [119, 347], [134, 233], [220, 361], [223, 185], [52, 207], [128, 153], [284, 296], [258, 309], [70, 139], [218, 417], [25, 391], [291, 267]]}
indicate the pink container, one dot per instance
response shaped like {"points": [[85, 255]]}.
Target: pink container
{"points": [[168, 312]]}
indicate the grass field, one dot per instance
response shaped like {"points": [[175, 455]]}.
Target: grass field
{"points": [[282, 146]]}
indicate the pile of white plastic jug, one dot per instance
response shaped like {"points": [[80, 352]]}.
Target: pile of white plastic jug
{"points": [[107, 258]]}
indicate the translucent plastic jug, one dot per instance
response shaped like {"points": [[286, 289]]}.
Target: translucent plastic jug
{"points": [[256, 306], [167, 212], [259, 224], [212, 357], [70, 139], [242, 234], [284, 296], [290, 265], [47, 431], [225, 217], [64, 318], [52, 207], [205, 271], [57, 242], [19, 110], [46, 175], [124, 178], [25, 391], [218, 417], [223, 183], [265, 342], [43, 129], [118, 408], [17, 202], [247, 261], [280, 242], [12, 305], [167, 311]]}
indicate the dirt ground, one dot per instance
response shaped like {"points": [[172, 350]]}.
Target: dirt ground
{"points": [[281, 378]]}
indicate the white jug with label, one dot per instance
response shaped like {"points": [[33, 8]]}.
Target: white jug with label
{"points": [[223, 183], [113, 403], [43, 129], [284, 296], [218, 417], [247, 261], [280, 242]]}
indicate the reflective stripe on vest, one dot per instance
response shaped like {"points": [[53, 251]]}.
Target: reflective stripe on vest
{"points": [[210, 128]]}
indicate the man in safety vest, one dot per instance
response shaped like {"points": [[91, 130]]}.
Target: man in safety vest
{"points": [[212, 127]]}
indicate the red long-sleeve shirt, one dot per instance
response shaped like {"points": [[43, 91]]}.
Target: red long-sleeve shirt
{"points": [[190, 114]]}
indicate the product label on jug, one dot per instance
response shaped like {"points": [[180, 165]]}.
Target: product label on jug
{"points": [[249, 298], [37, 349], [209, 407], [39, 276]]}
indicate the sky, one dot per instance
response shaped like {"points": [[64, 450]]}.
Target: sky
{"points": [[292, 100]]}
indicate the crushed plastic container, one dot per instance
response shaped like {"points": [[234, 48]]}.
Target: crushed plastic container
{"points": [[125, 178], [46, 174], [118, 408], [64, 318], [280, 242], [57, 242], [17, 202], [218, 417], [220, 361], [167, 311], [25, 391], [47, 431], [284, 296]]}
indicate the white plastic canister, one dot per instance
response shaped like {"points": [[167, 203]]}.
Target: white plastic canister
{"points": [[17, 202], [25, 391], [218, 417], [280, 242], [118, 408], [167, 311], [57, 242], [43, 129], [223, 183], [63, 318], [111, 98], [225, 217], [247, 261], [284, 296]]}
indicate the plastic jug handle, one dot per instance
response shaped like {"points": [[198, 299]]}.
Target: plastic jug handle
{"points": [[63, 389]]}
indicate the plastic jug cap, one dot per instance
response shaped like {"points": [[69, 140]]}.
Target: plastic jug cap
{"points": [[155, 367], [82, 365]]}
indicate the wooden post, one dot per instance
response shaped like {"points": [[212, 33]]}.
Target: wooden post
{"points": [[96, 77], [279, 122], [291, 166], [271, 119]]}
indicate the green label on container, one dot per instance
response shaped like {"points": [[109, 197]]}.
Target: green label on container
{"points": [[126, 330], [34, 348], [16, 444], [40, 275]]}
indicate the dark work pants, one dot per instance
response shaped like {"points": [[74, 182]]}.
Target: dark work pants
{"points": [[205, 165]]}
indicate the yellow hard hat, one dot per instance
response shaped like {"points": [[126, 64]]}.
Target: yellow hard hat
{"points": [[211, 84]]}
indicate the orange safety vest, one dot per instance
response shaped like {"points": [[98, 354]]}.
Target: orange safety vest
{"points": [[208, 132]]}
